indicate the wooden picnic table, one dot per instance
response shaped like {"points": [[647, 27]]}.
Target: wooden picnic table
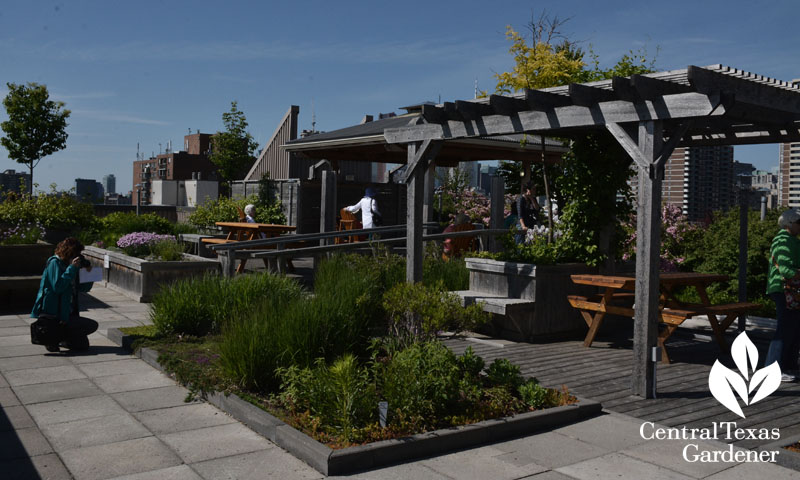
{"points": [[242, 231], [618, 299]]}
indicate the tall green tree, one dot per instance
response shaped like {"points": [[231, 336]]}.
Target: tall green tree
{"points": [[232, 150], [590, 185], [36, 125]]}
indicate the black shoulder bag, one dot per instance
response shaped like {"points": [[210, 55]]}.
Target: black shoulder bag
{"points": [[377, 218], [48, 329]]}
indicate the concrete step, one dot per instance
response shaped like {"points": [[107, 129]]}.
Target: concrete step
{"points": [[495, 303]]}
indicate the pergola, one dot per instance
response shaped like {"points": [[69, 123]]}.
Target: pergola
{"points": [[649, 115]]}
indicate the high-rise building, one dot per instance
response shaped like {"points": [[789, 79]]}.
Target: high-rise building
{"points": [[13, 181], [789, 175], [699, 180], [89, 191], [110, 184]]}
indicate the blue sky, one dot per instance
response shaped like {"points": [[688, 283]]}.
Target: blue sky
{"points": [[146, 72]]}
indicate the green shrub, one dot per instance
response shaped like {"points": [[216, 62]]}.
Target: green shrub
{"points": [[503, 373], [53, 212], [129, 222], [535, 395], [342, 396], [717, 251], [421, 383], [453, 274], [418, 313], [224, 209], [21, 234], [168, 250], [201, 305], [334, 322]]}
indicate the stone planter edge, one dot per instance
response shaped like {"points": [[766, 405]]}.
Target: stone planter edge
{"points": [[144, 267], [786, 458], [386, 452]]}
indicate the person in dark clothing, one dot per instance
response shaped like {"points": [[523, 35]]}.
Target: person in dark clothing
{"points": [[56, 291], [528, 211]]}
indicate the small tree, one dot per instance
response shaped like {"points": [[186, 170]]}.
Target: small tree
{"points": [[36, 125], [232, 150]]}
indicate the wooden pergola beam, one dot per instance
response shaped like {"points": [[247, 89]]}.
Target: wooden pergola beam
{"points": [[671, 107], [744, 89]]}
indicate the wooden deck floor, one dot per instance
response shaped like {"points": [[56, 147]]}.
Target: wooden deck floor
{"points": [[603, 371]]}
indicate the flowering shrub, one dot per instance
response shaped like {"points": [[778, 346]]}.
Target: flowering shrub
{"points": [[22, 233], [139, 244], [675, 230]]}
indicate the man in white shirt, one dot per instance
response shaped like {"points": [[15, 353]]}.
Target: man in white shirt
{"points": [[370, 216]]}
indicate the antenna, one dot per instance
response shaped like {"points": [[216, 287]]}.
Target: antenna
{"points": [[313, 117], [476, 87], [159, 148], [137, 151], [440, 99]]}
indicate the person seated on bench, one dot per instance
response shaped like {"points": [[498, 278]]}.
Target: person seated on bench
{"points": [[250, 213], [454, 246], [55, 295]]}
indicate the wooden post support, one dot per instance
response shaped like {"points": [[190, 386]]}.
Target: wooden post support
{"points": [[650, 154], [743, 208], [327, 212], [496, 210], [430, 182], [419, 154], [414, 185], [227, 259], [526, 175]]}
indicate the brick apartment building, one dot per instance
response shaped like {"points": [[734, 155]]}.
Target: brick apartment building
{"points": [[699, 180], [180, 165]]}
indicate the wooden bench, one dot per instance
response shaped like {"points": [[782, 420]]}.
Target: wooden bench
{"points": [[671, 316]]}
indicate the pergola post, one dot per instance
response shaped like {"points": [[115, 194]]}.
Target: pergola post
{"points": [[650, 154], [430, 183], [327, 212], [419, 154], [496, 209], [648, 243]]}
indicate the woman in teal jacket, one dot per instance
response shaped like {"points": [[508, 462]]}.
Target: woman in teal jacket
{"points": [[56, 290], [784, 265]]}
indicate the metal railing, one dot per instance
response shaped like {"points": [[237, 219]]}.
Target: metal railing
{"points": [[229, 252]]}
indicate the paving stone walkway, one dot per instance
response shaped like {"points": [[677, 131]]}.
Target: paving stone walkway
{"points": [[107, 414]]}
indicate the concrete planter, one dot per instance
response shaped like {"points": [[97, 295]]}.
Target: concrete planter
{"points": [[548, 314], [786, 458], [386, 452], [141, 279], [21, 269]]}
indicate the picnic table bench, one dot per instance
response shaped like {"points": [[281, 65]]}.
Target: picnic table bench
{"points": [[243, 231], [618, 298]]}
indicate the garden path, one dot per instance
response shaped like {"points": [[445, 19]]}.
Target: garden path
{"points": [[107, 414]]}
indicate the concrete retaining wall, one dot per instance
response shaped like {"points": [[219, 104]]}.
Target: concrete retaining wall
{"points": [[142, 279]]}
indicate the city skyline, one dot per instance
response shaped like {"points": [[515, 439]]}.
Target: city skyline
{"points": [[146, 74]]}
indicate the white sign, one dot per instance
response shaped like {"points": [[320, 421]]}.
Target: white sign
{"points": [[106, 261], [86, 276]]}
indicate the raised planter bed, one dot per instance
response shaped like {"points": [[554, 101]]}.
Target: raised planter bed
{"points": [[365, 457], [529, 302], [141, 279], [21, 269]]}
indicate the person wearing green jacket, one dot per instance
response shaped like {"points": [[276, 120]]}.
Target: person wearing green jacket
{"points": [[56, 291], [784, 265]]}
